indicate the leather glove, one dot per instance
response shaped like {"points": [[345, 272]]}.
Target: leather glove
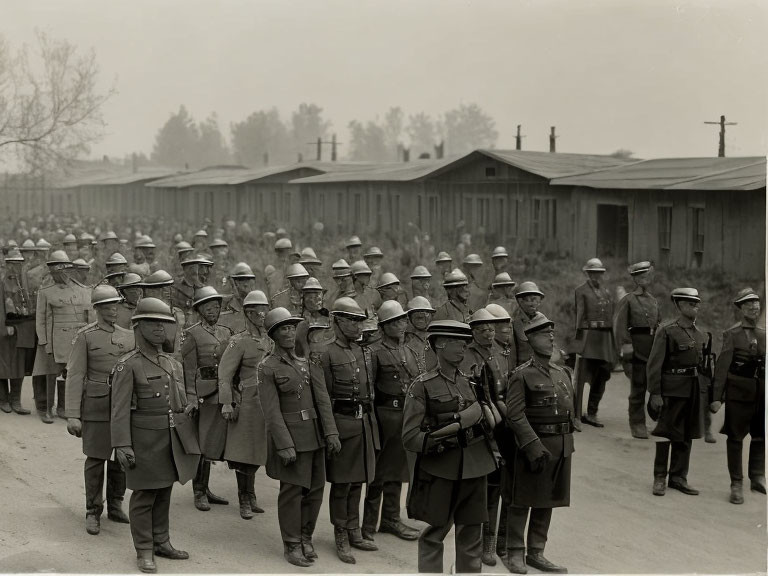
{"points": [[656, 401], [538, 456], [450, 430], [287, 455], [490, 421], [714, 407], [226, 412], [125, 457], [74, 427], [471, 415], [190, 410], [334, 444]]}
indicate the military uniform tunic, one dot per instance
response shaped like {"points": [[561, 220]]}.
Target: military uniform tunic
{"points": [[125, 312], [416, 341], [233, 316], [238, 383], [198, 350], [96, 350], [594, 322], [183, 297], [453, 310], [289, 299], [523, 351], [16, 348]]}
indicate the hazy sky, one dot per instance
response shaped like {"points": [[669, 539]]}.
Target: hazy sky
{"points": [[641, 75]]}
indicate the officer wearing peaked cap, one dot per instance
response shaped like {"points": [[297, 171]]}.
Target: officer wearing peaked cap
{"points": [[242, 282], [152, 433], [446, 435], [246, 445], [198, 349], [396, 367], [528, 297], [540, 413], [594, 339], [131, 291], [348, 371], [502, 292], [291, 297], [300, 424], [456, 308], [740, 384], [634, 325], [678, 391], [96, 349]]}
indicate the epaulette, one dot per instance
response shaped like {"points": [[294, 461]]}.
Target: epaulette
{"points": [[276, 294], [193, 325], [525, 364], [668, 323], [88, 327], [734, 327], [428, 375], [118, 367], [78, 283]]}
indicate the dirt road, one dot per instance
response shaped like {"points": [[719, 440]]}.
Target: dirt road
{"points": [[614, 524]]}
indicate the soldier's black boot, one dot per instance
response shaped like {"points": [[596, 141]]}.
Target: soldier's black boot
{"points": [[536, 559], [50, 398], [489, 544], [308, 548], [737, 494], [293, 554], [39, 393], [709, 437], [397, 527], [251, 490], [343, 551], [5, 404], [212, 498], [60, 392], [92, 523], [166, 550], [242, 496], [199, 484], [756, 466], [356, 540], [115, 493], [660, 467], [16, 397], [145, 561], [514, 561]]}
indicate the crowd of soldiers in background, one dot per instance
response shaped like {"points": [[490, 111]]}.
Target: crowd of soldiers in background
{"points": [[174, 356]]}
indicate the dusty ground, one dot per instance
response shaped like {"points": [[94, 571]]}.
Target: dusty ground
{"points": [[614, 524]]}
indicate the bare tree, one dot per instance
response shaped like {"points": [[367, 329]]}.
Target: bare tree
{"points": [[50, 103]]}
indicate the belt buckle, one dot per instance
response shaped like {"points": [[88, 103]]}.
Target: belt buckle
{"points": [[395, 403], [304, 414], [171, 421], [359, 412]]}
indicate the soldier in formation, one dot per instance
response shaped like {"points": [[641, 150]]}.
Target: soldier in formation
{"points": [[455, 308]]}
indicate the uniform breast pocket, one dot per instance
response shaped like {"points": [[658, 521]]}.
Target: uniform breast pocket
{"points": [[284, 383], [342, 371], [96, 389]]}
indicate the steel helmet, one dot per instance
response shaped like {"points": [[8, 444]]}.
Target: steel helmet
{"points": [[340, 269], [153, 309], [499, 252], [455, 278], [69, 239], [28, 244], [374, 252], [312, 284], [278, 317], [183, 247], [296, 271], [157, 279], [196, 259], [389, 311], [308, 256], [130, 279], [421, 272], [14, 256], [594, 265], [204, 294], [116, 259], [104, 294], [387, 279], [144, 242], [242, 270], [108, 235], [59, 257], [218, 243], [503, 279], [472, 260], [353, 242], [499, 312], [83, 265], [346, 307], [538, 322], [255, 298], [528, 287], [419, 303], [443, 257], [359, 267], [482, 316], [43, 244], [283, 244], [201, 234]]}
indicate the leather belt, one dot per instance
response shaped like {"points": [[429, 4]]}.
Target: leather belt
{"points": [[552, 429], [548, 401], [300, 416], [642, 330], [682, 371], [389, 400], [748, 370], [354, 408], [208, 372], [100, 379], [595, 325]]}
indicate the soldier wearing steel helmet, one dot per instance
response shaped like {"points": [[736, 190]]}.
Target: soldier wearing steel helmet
{"points": [[540, 413], [245, 449], [420, 313], [471, 266], [96, 349], [499, 260], [389, 288], [678, 392], [291, 297], [152, 432], [374, 258], [184, 288], [131, 292], [116, 266], [342, 278], [314, 332], [81, 271], [366, 297], [311, 262], [348, 372], [502, 292], [242, 282], [594, 340], [740, 384], [354, 249], [159, 285], [421, 281], [200, 240], [63, 307], [528, 298], [300, 425], [219, 277], [70, 246], [446, 436], [143, 257], [198, 350], [275, 278], [634, 325], [456, 308], [396, 366]]}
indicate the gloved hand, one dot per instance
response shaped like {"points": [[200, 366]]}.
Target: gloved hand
{"points": [[471, 415], [714, 407], [450, 430], [538, 456], [190, 410], [125, 457], [287, 456], [74, 427], [227, 412], [488, 416], [10, 330], [656, 401], [334, 444]]}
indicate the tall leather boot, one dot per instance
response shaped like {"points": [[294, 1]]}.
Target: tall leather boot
{"points": [[251, 489], [489, 545], [200, 485], [343, 549], [242, 495], [94, 485], [212, 498], [50, 398], [60, 394], [39, 393], [756, 466], [115, 493], [5, 405], [16, 397]]}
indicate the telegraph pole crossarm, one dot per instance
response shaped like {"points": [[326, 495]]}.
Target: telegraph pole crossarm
{"points": [[723, 124]]}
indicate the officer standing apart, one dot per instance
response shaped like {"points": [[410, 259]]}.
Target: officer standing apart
{"points": [[96, 350], [300, 424], [246, 444], [594, 335], [634, 325], [740, 383], [540, 414], [152, 433], [348, 372], [396, 367], [446, 432], [677, 392], [198, 351]]}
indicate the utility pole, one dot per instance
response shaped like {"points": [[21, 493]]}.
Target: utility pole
{"points": [[552, 138], [319, 143], [723, 124], [518, 139]]}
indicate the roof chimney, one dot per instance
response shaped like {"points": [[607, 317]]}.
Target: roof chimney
{"points": [[552, 138]]}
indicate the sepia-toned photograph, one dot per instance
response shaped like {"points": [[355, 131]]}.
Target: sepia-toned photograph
{"points": [[383, 286]]}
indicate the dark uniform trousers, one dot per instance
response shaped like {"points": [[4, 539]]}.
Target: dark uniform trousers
{"points": [[149, 514], [94, 484], [344, 504], [538, 527], [381, 496], [740, 382], [299, 507]]}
